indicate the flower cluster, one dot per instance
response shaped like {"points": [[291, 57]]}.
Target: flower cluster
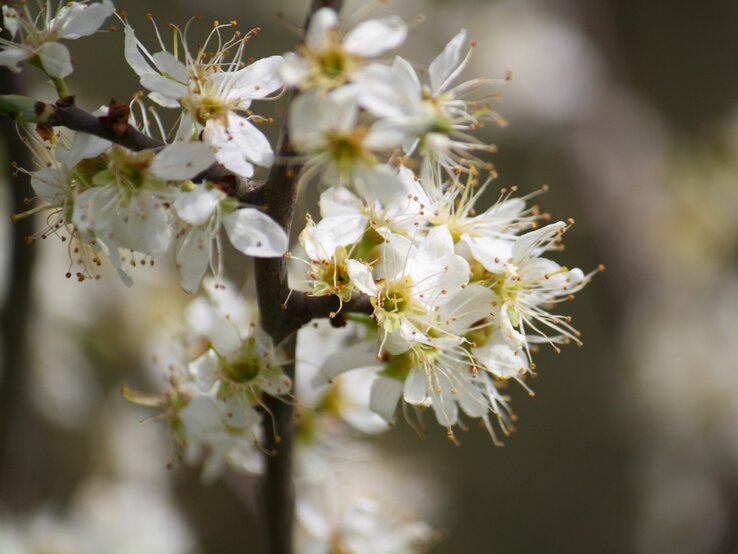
{"points": [[459, 295], [217, 381], [132, 206], [456, 296]]}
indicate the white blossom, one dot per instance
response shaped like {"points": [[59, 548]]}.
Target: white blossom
{"points": [[528, 283], [341, 149], [408, 284], [35, 38], [215, 92], [124, 206], [202, 212], [356, 524], [437, 117], [331, 57]]}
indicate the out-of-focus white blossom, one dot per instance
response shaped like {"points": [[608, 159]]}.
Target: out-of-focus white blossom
{"points": [[104, 516], [334, 518], [332, 56], [341, 149], [35, 37], [212, 405]]}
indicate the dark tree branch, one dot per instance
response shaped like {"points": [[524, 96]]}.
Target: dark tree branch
{"points": [[17, 307], [302, 309], [67, 114], [115, 128], [281, 322]]}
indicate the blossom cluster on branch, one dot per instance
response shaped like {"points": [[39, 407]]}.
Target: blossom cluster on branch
{"points": [[457, 295]]}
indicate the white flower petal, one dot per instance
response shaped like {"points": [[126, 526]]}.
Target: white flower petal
{"points": [[361, 276], [87, 213], [380, 182], [294, 69], [182, 160], [255, 234], [512, 336], [400, 341], [470, 305], [205, 370], [471, 399], [354, 357], [231, 157], [55, 60], [437, 244], [240, 145], [342, 230], [170, 66], [314, 520], [379, 91], [444, 403], [168, 88], [163, 100], [395, 253], [385, 394], [385, 134], [530, 244], [447, 61], [192, 256], [505, 211], [144, 227], [202, 319], [491, 252], [354, 408], [133, 55], [415, 388], [196, 206], [453, 278], [10, 20], [500, 359], [84, 147], [47, 183], [258, 80], [339, 201], [321, 24], [408, 76], [85, 21], [11, 57], [312, 115], [111, 251], [371, 38]]}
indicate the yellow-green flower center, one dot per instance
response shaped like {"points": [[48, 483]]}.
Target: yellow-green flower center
{"points": [[205, 107], [243, 369], [347, 149]]}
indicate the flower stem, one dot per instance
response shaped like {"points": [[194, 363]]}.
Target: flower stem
{"points": [[60, 86]]}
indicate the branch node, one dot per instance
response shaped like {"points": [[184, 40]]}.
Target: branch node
{"points": [[66, 101]]}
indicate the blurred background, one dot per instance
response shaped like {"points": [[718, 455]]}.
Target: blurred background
{"points": [[628, 110]]}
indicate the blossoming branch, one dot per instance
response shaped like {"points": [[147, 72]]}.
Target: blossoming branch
{"points": [[441, 298]]}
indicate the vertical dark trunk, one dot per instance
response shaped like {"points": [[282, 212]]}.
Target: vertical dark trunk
{"points": [[17, 306], [278, 497]]}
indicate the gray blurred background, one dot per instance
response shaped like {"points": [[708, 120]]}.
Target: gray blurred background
{"points": [[628, 110]]}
